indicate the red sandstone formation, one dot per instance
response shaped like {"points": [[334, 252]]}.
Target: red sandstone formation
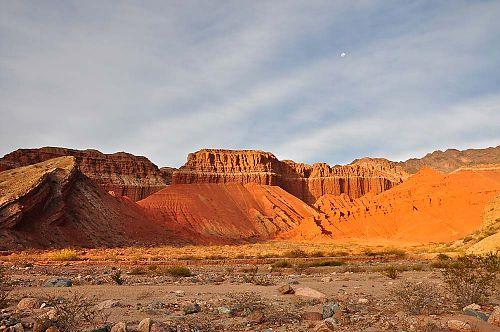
{"points": [[122, 173], [428, 207], [303, 181], [53, 204], [227, 212]]}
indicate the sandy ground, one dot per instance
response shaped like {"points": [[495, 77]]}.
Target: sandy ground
{"points": [[365, 296]]}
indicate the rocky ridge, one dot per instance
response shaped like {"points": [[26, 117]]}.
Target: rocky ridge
{"points": [[121, 173]]}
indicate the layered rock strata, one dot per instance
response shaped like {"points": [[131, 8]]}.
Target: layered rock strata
{"points": [[303, 181], [121, 173], [52, 204]]}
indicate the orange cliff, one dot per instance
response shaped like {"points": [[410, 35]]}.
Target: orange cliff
{"points": [[121, 173], [428, 207], [306, 182]]}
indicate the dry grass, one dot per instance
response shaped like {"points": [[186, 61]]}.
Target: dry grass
{"points": [[63, 255], [418, 298]]}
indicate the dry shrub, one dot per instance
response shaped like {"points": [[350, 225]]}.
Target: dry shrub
{"points": [[391, 271], [117, 278], [319, 263], [178, 271], [295, 253], [78, 312], [418, 298], [471, 278], [398, 253], [64, 255], [281, 264]]}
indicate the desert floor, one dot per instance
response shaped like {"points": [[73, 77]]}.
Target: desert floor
{"points": [[237, 288]]}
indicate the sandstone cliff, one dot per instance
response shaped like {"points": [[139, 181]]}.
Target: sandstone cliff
{"points": [[303, 181], [52, 204], [122, 173]]}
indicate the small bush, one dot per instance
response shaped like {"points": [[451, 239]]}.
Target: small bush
{"points": [[117, 278], [443, 257], [64, 255], [418, 298], [319, 263], [398, 253], [318, 254], [178, 271], [471, 279], [391, 271], [295, 253], [281, 264], [78, 312]]}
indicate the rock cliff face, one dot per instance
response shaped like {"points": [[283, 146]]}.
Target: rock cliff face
{"points": [[121, 173], [303, 181], [52, 204]]}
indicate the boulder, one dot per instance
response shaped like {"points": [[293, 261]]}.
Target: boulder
{"points": [[312, 315], [191, 308], [119, 327], [58, 282], [309, 292], [286, 289], [28, 303]]}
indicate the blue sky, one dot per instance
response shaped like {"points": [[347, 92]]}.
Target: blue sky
{"points": [[165, 78]]}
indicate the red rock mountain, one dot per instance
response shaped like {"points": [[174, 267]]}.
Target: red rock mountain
{"points": [[122, 173], [429, 207], [53, 204], [305, 182]]}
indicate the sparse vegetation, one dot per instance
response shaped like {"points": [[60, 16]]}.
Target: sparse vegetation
{"points": [[471, 279], [418, 298], [281, 264], [77, 312], [391, 271], [64, 255], [295, 253], [117, 278], [319, 263], [178, 271]]}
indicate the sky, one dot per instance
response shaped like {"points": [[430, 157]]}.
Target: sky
{"points": [[166, 78]]}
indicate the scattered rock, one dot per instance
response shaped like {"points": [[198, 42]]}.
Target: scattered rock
{"points": [[309, 292], [226, 311], [107, 304], [105, 328], [495, 316], [286, 289], [472, 306], [119, 327], [363, 301], [326, 279], [323, 327], [312, 315], [156, 328], [28, 303], [58, 282], [144, 325], [474, 313], [52, 329], [458, 325], [41, 325], [192, 308], [18, 328], [330, 309]]}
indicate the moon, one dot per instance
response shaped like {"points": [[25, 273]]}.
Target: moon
{"points": [[343, 54]]}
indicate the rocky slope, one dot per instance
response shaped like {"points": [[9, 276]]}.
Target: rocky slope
{"points": [[226, 212], [53, 204], [303, 181], [452, 159], [428, 207], [122, 173]]}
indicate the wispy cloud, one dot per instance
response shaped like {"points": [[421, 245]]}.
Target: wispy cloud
{"points": [[166, 78]]}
